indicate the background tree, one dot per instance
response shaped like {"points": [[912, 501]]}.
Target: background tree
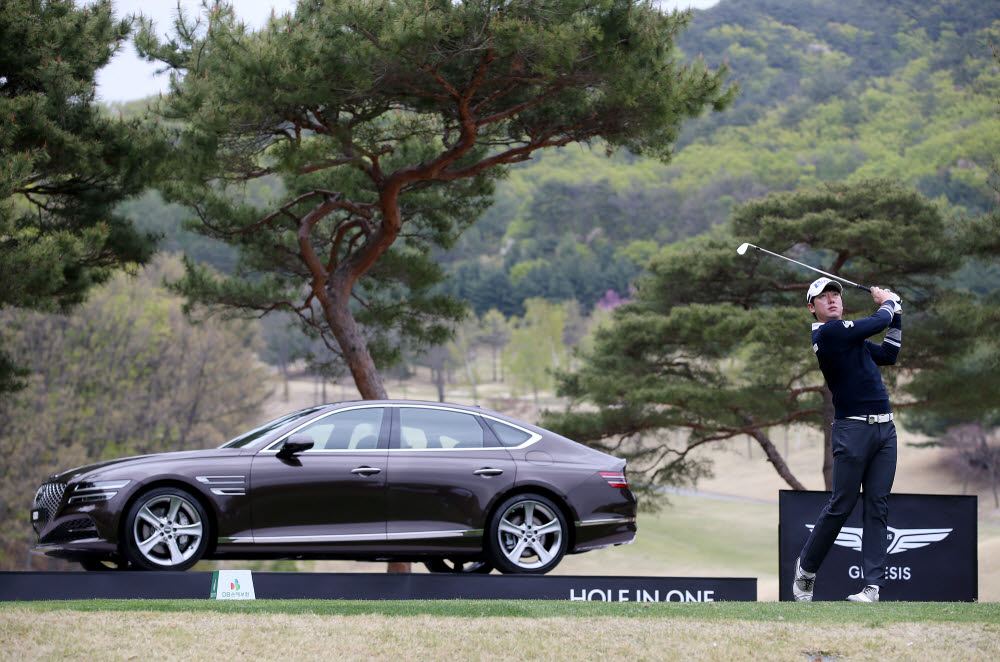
{"points": [[494, 330], [127, 374], [536, 348], [716, 344], [440, 360], [283, 344], [385, 122], [464, 350], [64, 164], [975, 454]]}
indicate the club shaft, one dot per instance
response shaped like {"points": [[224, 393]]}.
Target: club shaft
{"points": [[812, 268]]}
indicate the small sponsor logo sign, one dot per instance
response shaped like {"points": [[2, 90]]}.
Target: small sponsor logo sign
{"points": [[232, 585]]}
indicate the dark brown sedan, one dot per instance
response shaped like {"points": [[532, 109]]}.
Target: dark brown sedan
{"points": [[458, 488]]}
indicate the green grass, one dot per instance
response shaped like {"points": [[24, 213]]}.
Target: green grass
{"points": [[820, 613], [695, 533]]}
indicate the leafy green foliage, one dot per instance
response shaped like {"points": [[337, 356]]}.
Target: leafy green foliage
{"points": [[717, 344], [168, 222], [386, 124], [64, 165], [536, 348]]}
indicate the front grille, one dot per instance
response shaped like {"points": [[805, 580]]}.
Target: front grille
{"points": [[71, 530], [47, 498]]}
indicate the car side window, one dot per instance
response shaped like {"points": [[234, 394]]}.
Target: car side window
{"points": [[353, 429], [423, 428], [509, 435]]}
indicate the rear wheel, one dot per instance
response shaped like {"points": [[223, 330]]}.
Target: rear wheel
{"points": [[452, 565], [166, 529], [527, 534]]}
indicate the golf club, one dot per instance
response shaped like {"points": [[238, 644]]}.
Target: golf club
{"points": [[743, 249]]}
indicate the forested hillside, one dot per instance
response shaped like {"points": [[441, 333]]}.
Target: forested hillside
{"points": [[828, 91]]}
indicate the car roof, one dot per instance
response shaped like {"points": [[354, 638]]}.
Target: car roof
{"points": [[419, 403], [433, 404]]}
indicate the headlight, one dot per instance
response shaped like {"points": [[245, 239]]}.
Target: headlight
{"points": [[97, 491]]}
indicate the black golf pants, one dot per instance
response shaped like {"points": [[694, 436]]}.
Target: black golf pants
{"points": [[864, 458]]}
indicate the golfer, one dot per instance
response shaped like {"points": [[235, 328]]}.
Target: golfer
{"points": [[864, 436]]}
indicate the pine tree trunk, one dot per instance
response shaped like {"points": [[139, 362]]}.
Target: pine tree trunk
{"points": [[354, 347], [774, 457], [437, 376]]}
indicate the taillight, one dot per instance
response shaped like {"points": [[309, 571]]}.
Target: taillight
{"points": [[615, 478]]}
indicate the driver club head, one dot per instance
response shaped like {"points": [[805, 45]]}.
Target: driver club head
{"points": [[743, 248]]}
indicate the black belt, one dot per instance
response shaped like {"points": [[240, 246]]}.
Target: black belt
{"points": [[871, 419]]}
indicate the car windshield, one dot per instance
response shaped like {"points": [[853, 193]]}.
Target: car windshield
{"points": [[248, 438]]}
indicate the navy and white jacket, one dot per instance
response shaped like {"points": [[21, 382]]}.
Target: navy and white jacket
{"points": [[849, 361]]}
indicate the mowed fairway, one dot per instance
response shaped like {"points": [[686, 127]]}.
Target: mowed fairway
{"points": [[505, 630], [694, 537]]}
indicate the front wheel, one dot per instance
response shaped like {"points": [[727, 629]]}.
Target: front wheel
{"points": [[166, 529], [527, 534]]}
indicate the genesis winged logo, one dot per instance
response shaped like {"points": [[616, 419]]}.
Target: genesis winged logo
{"points": [[899, 540]]}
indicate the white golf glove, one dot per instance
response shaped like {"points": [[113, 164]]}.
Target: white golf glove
{"points": [[896, 301]]}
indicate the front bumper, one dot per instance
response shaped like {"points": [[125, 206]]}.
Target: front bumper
{"points": [[71, 522]]}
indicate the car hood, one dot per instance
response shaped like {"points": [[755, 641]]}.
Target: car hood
{"points": [[98, 468]]}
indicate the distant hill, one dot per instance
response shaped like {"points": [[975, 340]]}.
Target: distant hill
{"points": [[828, 91]]}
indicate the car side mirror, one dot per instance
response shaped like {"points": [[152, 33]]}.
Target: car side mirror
{"points": [[295, 444]]}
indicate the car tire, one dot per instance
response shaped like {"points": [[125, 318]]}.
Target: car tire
{"points": [[166, 529], [443, 565], [527, 534]]}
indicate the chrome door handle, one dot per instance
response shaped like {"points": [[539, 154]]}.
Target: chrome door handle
{"points": [[366, 471], [488, 472]]}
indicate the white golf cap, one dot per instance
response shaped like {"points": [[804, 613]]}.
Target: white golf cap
{"points": [[820, 285]]}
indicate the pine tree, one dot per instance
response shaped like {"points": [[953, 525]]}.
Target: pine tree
{"points": [[64, 164], [386, 123]]}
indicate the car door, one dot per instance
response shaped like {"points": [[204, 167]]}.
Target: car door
{"points": [[445, 470], [330, 495]]}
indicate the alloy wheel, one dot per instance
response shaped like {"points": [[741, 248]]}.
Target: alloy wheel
{"points": [[530, 535], [167, 530]]}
